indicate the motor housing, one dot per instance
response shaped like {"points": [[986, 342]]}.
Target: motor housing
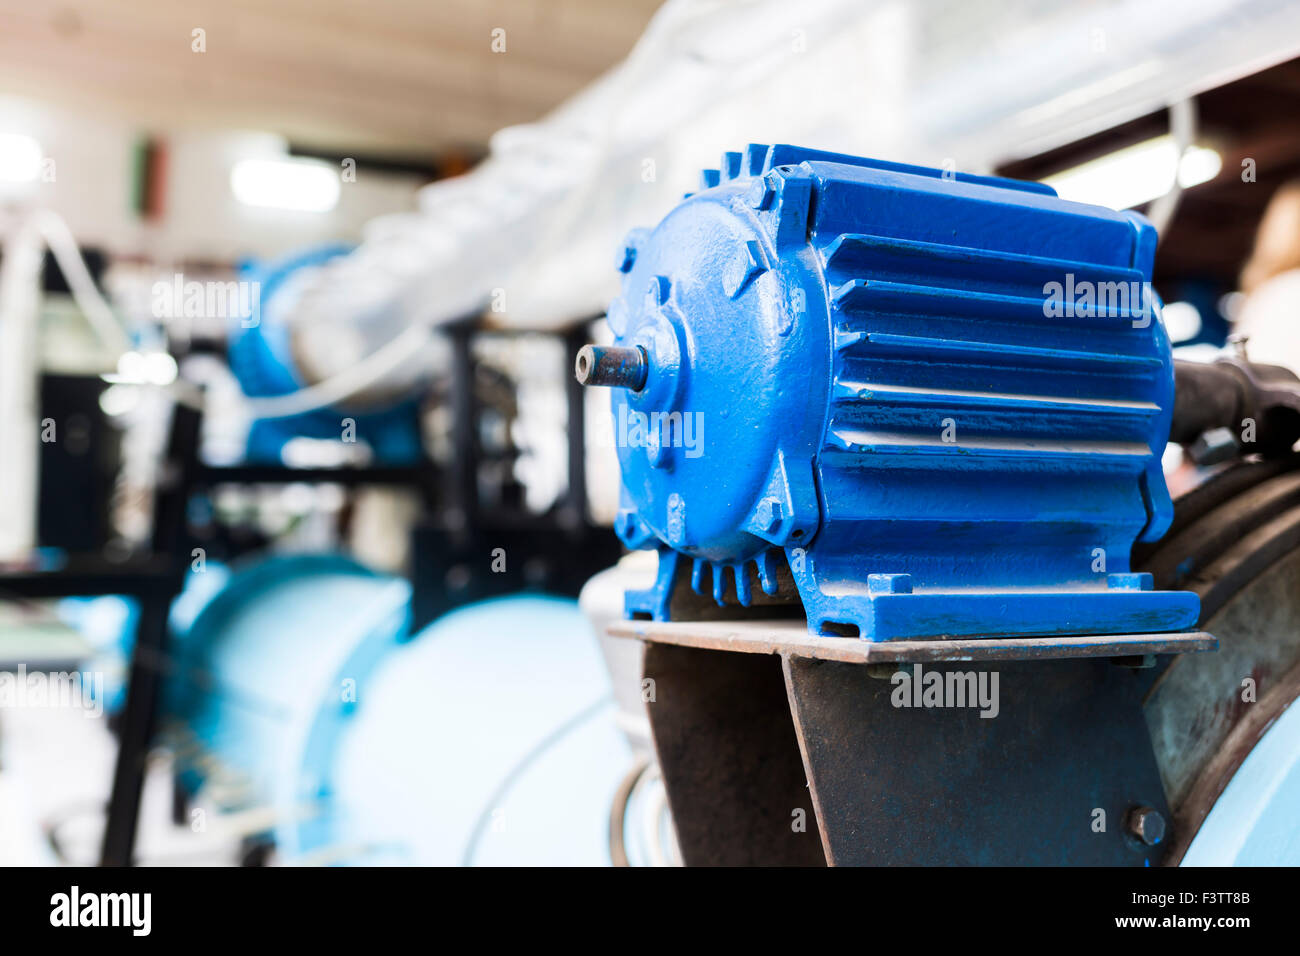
{"points": [[921, 403]]}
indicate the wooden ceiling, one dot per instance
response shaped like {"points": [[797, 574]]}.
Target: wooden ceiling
{"points": [[402, 78], [1212, 233]]}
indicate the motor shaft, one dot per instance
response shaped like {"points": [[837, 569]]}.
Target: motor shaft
{"points": [[612, 366]]}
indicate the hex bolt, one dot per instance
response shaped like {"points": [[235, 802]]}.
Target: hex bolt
{"points": [[889, 583], [612, 366], [769, 515], [1146, 824], [1214, 447]]}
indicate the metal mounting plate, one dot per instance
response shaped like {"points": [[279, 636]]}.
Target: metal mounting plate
{"points": [[790, 638]]}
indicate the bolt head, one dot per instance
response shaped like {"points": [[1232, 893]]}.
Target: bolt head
{"points": [[1146, 824], [889, 583], [770, 515], [1214, 447]]}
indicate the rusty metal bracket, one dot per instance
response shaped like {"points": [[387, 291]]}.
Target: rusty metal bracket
{"points": [[779, 748]]}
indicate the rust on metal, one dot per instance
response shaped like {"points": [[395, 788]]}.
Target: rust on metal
{"points": [[1227, 760], [784, 760]]}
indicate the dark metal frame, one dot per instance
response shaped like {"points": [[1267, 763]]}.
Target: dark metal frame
{"points": [[154, 580], [788, 759]]}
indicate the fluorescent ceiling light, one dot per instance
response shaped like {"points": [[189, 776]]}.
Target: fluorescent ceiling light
{"points": [[20, 158], [303, 185], [1136, 174]]}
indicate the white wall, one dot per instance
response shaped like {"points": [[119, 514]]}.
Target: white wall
{"points": [[93, 163]]}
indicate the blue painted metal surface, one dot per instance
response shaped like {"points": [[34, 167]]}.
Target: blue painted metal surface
{"points": [[108, 623], [269, 670], [261, 358], [902, 390], [488, 737]]}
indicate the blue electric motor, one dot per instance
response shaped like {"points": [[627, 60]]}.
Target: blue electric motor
{"points": [[924, 404]]}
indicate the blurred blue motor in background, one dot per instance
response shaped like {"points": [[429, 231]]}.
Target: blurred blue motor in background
{"points": [[262, 356], [488, 739], [296, 694]]}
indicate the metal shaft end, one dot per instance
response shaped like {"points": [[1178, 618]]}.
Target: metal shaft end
{"points": [[612, 366]]}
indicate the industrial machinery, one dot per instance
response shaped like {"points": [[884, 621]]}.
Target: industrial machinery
{"points": [[925, 413], [275, 352], [279, 693], [301, 702], [922, 428], [442, 415]]}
